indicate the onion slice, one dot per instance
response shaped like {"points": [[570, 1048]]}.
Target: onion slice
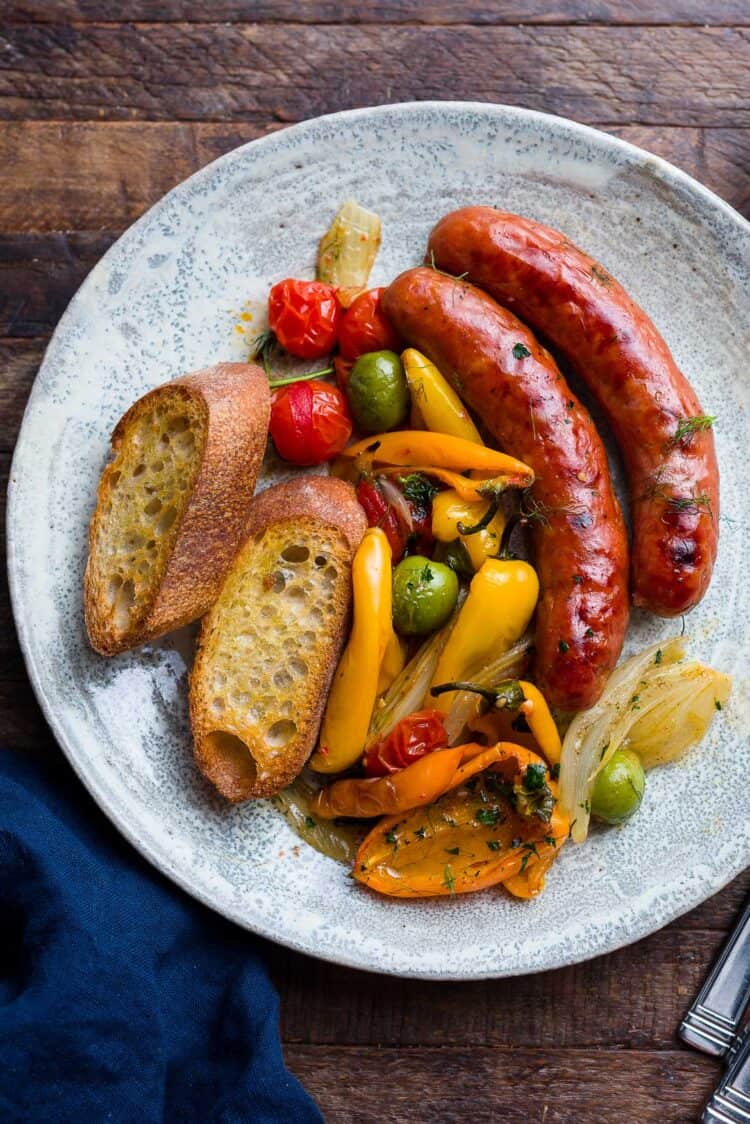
{"points": [[349, 247], [399, 503], [653, 704], [407, 691]]}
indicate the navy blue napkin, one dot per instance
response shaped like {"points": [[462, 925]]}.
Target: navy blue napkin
{"points": [[121, 999]]}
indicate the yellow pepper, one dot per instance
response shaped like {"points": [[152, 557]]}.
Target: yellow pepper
{"points": [[412, 448], [501, 601], [448, 510], [439, 406], [358, 675], [540, 722]]}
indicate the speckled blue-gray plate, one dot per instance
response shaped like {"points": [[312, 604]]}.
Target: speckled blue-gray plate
{"points": [[164, 300]]}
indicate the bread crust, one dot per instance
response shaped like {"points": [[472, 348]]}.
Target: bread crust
{"points": [[303, 503], [327, 498], [235, 400]]}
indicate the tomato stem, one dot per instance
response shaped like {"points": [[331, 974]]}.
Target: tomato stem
{"points": [[275, 383]]}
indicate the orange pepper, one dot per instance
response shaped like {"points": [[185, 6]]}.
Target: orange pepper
{"points": [[468, 840], [420, 783], [530, 882]]}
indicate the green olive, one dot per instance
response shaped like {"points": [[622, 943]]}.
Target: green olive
{"points": [[618, 788], [424, 595], [378, 392]]}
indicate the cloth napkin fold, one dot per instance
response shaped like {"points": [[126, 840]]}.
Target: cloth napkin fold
{"points": [[121, 999]]}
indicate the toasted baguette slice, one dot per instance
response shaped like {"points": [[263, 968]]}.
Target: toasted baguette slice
{"points": [[172, 506], [269, 646]]}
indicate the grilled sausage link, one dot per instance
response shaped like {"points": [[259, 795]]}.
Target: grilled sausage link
{"points": [[517, 391], [615, 349]]}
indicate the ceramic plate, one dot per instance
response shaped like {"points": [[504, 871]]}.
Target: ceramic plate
{"points": [[166, 299]]}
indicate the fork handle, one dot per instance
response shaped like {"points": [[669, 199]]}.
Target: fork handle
{"points": [[711, 1023], [730, 1103]]}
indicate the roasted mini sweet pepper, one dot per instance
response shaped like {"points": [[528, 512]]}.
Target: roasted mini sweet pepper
{"points": [[439, 407], [452, 516], [416, 447], [473, 836], [501, 601], [518, 696], [370, 658], [420, 783]]}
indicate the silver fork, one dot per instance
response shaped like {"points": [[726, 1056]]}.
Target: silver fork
{"points": [[713, 1020], [730, 1102]]}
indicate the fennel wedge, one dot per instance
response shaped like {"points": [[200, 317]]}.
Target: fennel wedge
{"points": [[349, 247], [655, 704]]}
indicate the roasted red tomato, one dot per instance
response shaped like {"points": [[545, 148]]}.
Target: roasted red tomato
{"points": [[304, 316], [364, 327], [413, 737], [310, 422], [380, 514]]}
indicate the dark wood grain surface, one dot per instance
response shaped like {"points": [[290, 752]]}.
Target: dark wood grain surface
{"points": [[101, 114]]}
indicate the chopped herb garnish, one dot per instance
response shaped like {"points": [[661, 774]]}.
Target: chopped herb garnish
{"points": [[534, 797], [390, 837], [448, 880], [418, 489], [451, 850], [690, 503], [564, 646], [420, 832], [309, 821], [589, 632], [659, 656], [530, 849], [520, 351], [577, 579], [635, 702], [550, 840], [688, 426], [534, 777], [262, 347], [717, 704], [494, 844], [455, 276], [570, 404], [426, 575], [487, 816]]}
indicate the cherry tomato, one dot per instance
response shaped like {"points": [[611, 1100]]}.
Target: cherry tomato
{"points": [[364, 327], [380, 514], [414, 737], [305, 317], [310, 422]]}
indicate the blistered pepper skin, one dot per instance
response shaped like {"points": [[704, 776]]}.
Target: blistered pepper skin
{"points": [[508, 379], [616, 350]]}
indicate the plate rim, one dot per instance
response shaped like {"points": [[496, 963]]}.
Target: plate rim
{"points": [[670, 173]]}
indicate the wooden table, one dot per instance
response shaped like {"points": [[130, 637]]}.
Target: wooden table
{"points": [[98, 118]]}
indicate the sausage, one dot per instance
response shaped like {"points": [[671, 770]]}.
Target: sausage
{"points": [[516, 390], [583, 313]]}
